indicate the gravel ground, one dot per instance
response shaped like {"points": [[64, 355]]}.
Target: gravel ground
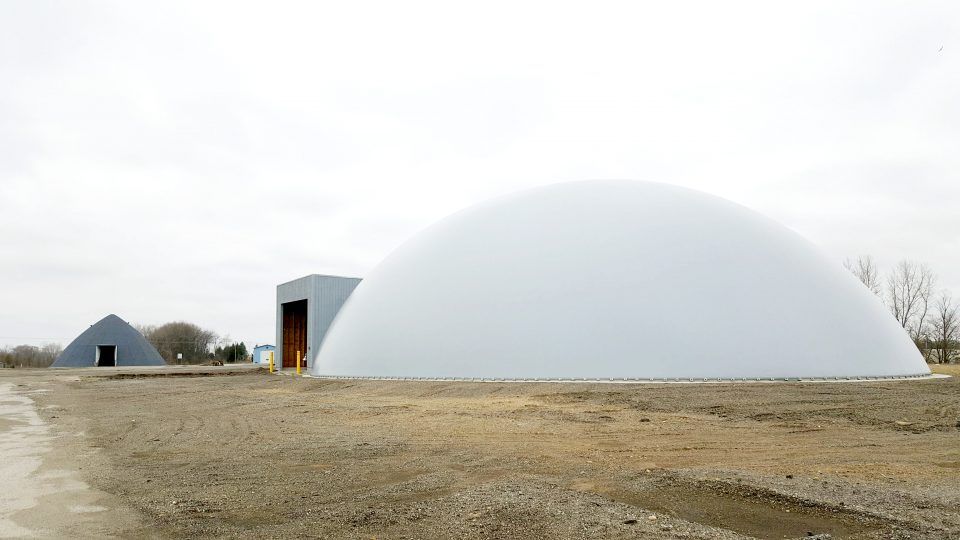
{"points": [[241, 453]]}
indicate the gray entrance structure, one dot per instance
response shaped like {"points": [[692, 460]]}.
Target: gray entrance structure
{"points": [[305, 309]]}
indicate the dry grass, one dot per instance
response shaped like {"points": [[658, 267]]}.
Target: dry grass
{"points": [[948, 369]]}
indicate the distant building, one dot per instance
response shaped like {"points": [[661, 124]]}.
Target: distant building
{"points": [[305, 309], [261, 354], [108, 343]]}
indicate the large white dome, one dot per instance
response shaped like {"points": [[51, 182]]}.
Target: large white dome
{"points": [[613, 279]]}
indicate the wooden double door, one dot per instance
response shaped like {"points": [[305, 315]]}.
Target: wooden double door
{"points": [[294, 332]]}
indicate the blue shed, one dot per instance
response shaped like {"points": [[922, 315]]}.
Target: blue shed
{"points": [[261, 354]]}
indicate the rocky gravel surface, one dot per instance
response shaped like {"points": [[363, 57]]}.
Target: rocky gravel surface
{"points": [[239, 454]]}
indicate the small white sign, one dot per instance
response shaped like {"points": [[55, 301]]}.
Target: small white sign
{"points": [[179, 356]]}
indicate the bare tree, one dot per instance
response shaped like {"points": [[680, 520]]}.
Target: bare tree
{"points": [[145, 329], [944, 328], [173, 338], [30, 355], [909, 287], [866, 271], [51, 350]]}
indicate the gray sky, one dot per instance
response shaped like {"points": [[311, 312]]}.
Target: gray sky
{"points": [[175, 161]]}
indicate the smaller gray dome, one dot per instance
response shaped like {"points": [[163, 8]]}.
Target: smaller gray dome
{"points": [[130, 348]]}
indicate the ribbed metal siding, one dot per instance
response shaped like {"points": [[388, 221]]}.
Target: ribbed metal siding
{"points": [[325, 296], [132, 348]]}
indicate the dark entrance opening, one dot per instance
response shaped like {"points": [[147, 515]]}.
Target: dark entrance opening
{"points": [[294, 332], [106, 355]]}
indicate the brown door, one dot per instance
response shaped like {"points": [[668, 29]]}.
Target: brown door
{"points": [[294, 332]]}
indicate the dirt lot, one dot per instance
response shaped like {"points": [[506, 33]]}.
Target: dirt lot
{"points": [[255, 455]]}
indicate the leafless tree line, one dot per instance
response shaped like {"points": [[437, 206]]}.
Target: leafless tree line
{"points": [[929, 316], [29, 355]]}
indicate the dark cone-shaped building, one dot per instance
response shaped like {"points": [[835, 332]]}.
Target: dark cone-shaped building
{"points": [[110, 342]]}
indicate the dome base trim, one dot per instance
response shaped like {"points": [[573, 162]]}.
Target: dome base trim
{"points": [[627, 380]]}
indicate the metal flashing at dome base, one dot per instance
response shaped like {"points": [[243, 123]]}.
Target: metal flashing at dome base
{"points": [[917, 376]]}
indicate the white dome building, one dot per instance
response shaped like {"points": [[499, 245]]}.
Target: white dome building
{"points": [[613, 279]]}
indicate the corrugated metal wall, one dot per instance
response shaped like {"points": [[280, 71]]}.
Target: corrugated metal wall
{"points": [[325, 296]]}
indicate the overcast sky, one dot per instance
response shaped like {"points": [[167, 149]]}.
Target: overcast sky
{"points": [[176, 161]]}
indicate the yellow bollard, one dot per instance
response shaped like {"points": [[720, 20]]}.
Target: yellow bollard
{"points": [[298, 362], [271, 361]]}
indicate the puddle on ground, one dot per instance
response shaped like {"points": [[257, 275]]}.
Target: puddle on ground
{"points": [[742, 514], [24, 439], [36, 499], [87, 509]]}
